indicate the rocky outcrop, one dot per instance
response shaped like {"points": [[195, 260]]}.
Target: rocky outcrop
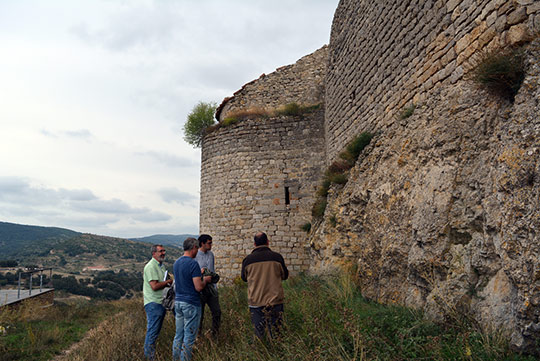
{"points": [[442, 212]]}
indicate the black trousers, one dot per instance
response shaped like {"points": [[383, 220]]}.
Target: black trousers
{"points": [[267, 319], [213, 304]]}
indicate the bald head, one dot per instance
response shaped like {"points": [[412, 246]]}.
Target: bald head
{"points": [[260, 239]]}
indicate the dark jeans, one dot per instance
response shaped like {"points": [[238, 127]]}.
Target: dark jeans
{"points": [[213, 304], [267, 319]]}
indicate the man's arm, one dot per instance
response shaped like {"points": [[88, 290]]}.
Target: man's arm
{"points": [[285, 274], [200, 284], [156, 285], [243, 273]]}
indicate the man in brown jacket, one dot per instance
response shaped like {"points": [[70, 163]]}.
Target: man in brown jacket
{"points": [[264, 270]]}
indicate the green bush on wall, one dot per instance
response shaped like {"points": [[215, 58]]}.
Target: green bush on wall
{"points": [[199, 119], [306, 227], [501, 71], [336, 172]]}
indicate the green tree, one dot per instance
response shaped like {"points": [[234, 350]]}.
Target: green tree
{"points": [[200, 118]]}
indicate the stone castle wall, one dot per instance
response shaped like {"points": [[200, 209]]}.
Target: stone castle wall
{"points": [[273, 90], [386, 55], [441, 210], [246, 172]]}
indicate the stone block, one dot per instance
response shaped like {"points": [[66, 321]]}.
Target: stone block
{"points": [[500, 23], [462, 43], [517, 16], [533, 8], [486, 37], [518, 34]]}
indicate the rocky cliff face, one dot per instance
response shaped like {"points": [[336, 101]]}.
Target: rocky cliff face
{"points": [[442, 211]]}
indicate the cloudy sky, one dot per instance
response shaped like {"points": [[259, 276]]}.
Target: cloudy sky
{"points": [[94, 94]]}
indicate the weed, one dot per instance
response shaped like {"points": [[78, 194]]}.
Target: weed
{"points": [[357, 145], [336, 172], [333, 220], [296, 109], [407, 112], [501, 71], [306, 227], [249, 113], [324, 188], [289, 109], [337, 178], [319, 207], [339, 166], [229, 121]]}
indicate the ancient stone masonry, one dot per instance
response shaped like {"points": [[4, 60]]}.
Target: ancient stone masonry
{"points": [[442, 209], [274, 90], [385, 55], [261, 175]]}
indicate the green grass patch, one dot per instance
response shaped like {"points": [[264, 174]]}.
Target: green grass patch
{"points": [[34, 332], [229, 121]]}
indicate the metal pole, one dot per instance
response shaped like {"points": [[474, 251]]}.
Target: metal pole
{"points": [[40, 280], [19, 286], [30, 290]]}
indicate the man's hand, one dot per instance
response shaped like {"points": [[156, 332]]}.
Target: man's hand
{"points": [[156, 285], [200, 283]]}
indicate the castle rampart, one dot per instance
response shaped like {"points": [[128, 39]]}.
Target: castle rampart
{"points": [[385, 55], [441, 211], [274, 90], [261, 175]]}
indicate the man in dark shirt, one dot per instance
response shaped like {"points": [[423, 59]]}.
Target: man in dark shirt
{"points": [[187, 305], [264, 270]]}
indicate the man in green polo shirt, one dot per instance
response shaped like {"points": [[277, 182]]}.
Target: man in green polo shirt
{"points": [[154, 281]]}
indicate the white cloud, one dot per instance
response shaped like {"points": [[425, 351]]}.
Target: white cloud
{"points": [[94, 95], [173, 195]]}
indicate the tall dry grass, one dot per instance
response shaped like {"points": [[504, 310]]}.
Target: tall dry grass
{"points": [[326, 318]]}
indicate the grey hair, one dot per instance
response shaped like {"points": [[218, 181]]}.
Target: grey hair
{"points": [[190, 243], [154, 248]]}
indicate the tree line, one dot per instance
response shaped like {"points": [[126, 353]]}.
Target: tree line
{"points": [[108, 285]]}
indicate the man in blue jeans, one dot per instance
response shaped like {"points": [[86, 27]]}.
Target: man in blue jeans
{"points": [[188, 282], [153, 284]]}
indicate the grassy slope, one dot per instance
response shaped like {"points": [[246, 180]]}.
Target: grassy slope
{"points": [[326, 319]]}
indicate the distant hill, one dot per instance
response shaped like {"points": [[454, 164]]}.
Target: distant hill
{"points": [[165, 239], [15, 237], [73, 252]]}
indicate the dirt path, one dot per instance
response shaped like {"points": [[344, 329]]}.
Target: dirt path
{"points": [[65, 355]]}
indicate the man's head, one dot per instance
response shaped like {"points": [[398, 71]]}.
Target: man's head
{"points": [[158, 252], [190, 247], [260, 239], [205, 242]]}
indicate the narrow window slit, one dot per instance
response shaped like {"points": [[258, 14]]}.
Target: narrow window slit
{"points": [[287, 196]]}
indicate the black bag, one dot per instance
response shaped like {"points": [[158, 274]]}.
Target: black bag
{"points": [[168, 298]]}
